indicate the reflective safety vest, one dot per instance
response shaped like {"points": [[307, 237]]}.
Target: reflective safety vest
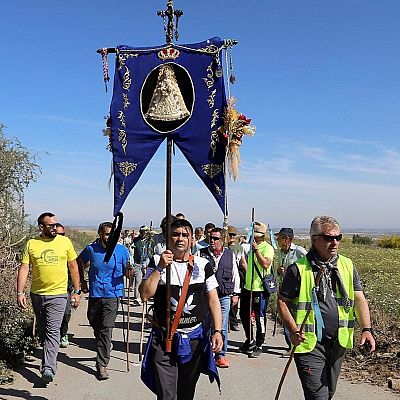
{"points": [[302, 303]]}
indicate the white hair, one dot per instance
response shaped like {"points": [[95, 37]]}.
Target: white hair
{"points": [[320, 221]]}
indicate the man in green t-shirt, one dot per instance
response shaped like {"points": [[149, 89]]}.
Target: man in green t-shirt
{"points": [[48, 255], [253, 291]]}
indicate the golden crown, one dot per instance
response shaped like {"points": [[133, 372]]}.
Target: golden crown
{"points": [[168, 54]]}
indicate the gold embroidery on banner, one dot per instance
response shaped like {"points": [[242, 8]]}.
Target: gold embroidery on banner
{"points": [[218, 190], [209, 81], [211, 98], [122, 139], [127, 79], [125, 99], [126, 167], [214, 140], [215, 118], [209, 49], [121, 118], [122, 57], [122, 189], [211, 170]]}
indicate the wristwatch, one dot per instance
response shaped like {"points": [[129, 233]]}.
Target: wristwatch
{"points": [[79, 291], [368, 330], [216, 330]]}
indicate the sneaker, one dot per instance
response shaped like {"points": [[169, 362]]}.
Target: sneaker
{"points": [[47, 375], [64, 342], [102, 373], [256, 352], [247, 347], [222, 362]]}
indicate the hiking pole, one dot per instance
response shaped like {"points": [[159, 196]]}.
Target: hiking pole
{"points": [[285, 371], [144, 311], [127, 325]]}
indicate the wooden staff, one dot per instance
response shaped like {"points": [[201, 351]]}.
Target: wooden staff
{"points": [[285, 371], [252, 274], [144, 311]]}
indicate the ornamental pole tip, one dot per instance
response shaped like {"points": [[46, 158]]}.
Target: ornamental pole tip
{"points": [[170, 18]]}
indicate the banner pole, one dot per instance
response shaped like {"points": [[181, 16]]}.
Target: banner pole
{"points": [[168, 235]]}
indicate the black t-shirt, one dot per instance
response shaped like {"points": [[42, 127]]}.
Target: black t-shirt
{"points": [[290, 288]]}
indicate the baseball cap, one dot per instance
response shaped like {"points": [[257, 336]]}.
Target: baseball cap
{"points": [[285, 232]]}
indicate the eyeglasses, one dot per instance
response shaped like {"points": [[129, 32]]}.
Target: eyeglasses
{"points": [[215, 238], [330, 238], [50, 226], [232, 234]]}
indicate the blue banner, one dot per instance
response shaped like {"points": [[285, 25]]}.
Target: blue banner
{"points": [[175, 90]]}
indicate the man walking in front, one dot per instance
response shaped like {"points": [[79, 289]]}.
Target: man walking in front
{"points": [[335, 299], [174, 375], [253, 292], [226, 271], [106, 287], [49, 254]]}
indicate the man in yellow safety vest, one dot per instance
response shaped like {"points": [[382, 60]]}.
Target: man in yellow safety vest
{"points": [[334, 302]]}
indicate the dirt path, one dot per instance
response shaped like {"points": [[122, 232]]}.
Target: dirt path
{"points": [[246, 378]]}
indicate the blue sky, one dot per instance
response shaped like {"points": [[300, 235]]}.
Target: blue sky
{"points": [[319, 78]]}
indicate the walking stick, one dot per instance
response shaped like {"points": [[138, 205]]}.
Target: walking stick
{"points": [[285, 371], [144, 311], [127, 326], [250, 258], [276, 313]]}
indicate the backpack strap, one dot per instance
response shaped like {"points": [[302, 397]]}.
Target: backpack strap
{"points": [[181, 304]]}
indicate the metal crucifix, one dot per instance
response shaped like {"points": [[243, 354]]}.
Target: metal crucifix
{"points": [[171, 21]]}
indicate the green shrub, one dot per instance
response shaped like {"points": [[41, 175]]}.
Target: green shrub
{"points": [[358, 239], [390, 242], [6, 375], [16, 339]]}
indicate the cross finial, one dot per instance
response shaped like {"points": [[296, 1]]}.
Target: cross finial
{"points": [[171, 20]]}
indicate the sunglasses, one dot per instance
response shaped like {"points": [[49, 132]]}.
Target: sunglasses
{"points": [[232, 234], [215, 238], [61, 234], [329, 238], [50, 226]]}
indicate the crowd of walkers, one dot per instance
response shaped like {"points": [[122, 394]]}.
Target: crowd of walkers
{"points": [[218, 281]]}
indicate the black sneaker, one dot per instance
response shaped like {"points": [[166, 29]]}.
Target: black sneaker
{"points": [[256, 352], [247, 347]]}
